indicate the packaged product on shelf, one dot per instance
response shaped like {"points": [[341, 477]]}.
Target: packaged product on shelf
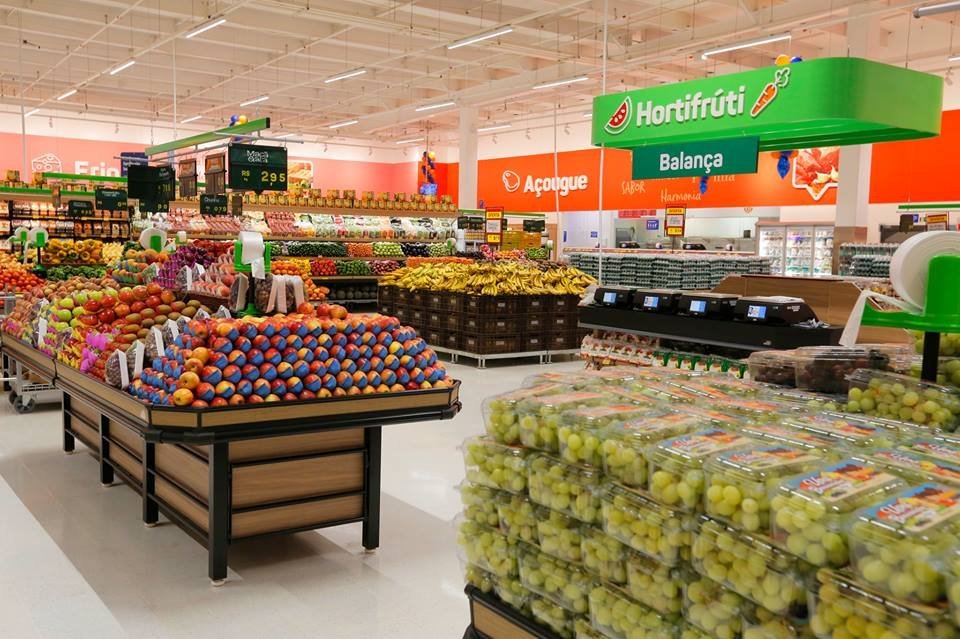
{"points": [[899, 546], [676, 464], [540, 416], [512, 593], [712, 608], [499, 466], [480, 503], [518, 518], [811, 514], [477, 577], [759, 623], [652, 529], [655, 584], [825, 369], [559, 535], [643, 391], [823, 446], [564, 487], [941, 447], [913, 468], [556, 618], [855, 434], [603, 556], [739, 482], [624, 444], [580, 434], [689, 631], [750, 566], [616, 616], [562, 583], [895, 396], [583, 630], [500, 412], [773, 367], [487, 548]]}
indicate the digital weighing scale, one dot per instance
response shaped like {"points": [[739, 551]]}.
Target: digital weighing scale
{"points": [[657, 300], [613, 296], [778, 310], [713, 305]]}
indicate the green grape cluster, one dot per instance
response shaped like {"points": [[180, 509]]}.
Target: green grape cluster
{"points": [[760, 623], [747, 565], [712, 608], [583, 630], [540, 417], [554, 617], [689, 631], [488, 549], [560, 536], [512, 593], [604, 556], [518, 518], [560, 582], [654, 584], [478, 577], [617, 616], [480, 504], [495, 465], [500, 413], [580, 445], [624, 444], [953, 586], [564, 487], [646, 526], [901, 397]]}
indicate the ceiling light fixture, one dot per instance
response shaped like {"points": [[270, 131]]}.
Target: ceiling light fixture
{"points": [[438, 105], [262, 98], [189, 120], [125, 65], [346, 74], [67, 94], [560, 83], [337, 125], [746, 45], [31, 112], [480, 38], [954, 58], [205, 27], [934, 9], [497, 127], [284, 135], [410, 141], [588, 114]]}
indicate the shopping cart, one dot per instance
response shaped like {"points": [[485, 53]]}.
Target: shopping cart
{"points": [[24, 390]]}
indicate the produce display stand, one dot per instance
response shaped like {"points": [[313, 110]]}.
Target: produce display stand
{"points": [[241, 472], [490, 618]]}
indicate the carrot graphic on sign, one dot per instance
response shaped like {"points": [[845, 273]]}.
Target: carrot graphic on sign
{"points": [[769, 93]]}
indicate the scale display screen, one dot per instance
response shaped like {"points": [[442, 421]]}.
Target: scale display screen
{"points": [[756, 312], [651, 301], [698, 306], [610, 297]]}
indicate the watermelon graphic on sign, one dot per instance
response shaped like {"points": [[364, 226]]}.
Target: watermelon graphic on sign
{"points": [[621, 118]]}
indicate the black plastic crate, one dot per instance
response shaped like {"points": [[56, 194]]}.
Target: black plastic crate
{"points": [[560, 322], [490, 344], [451, 322], [533, 342], [563, 303], [492, 304], [402, 313], [434, 337], [435, 300], [386, 308], [491, 325], [563, 340], [536, 304], [453, 302], [387, 294], [436, 320], [417, 318], [452, 341], [537, 324]]}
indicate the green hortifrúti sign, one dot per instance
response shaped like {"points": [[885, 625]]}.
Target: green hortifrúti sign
{"points": [[825, 102], [723, 157]]}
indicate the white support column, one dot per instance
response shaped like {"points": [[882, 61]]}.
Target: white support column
{"points": [[468, 159]]}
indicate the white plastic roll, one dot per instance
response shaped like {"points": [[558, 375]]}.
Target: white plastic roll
{"points": [[150, 232], [251, 252]]}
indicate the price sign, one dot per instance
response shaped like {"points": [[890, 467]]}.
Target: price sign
{"points": [[535, 226], [493, 230], [215, 174], [110, 199], [188, 177], [213, 204], [937, 221], [166, 183], [236, 204], [675, 221], [155, 206], [79, 208], [257, 168], [155, 183]]}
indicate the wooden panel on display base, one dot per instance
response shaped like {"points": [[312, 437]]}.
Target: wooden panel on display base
{"points": [[494, 626]]}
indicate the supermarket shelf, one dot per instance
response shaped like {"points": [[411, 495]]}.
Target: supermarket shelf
{"points": [[375, 258], [361, 301], [308, 238], [324, 210], [67, 218], [345, 278], [41, 195]]}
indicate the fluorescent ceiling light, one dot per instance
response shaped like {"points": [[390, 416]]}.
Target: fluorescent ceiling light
{"points": [[480, 38], [31, 112], [494, 128], [284, 135], [189, 120], [559, 83], [125, 65], [67, 94], [746, 45], [337, 125], [262, 98], [346, 74], [410, 141], [934, 9], [205, 27], [588, 114], [954, 58], [438, 105]]}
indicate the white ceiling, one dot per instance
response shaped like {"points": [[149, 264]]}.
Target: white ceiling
{"points": [[286, 48]]}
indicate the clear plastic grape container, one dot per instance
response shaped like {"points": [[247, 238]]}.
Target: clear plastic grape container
{"points": [[603, 378], [844, 608], [646, 526], [914, 468], [512, 592], [655, 584], [689, 631], [556, 618], [583, 630], [540, 416], [581, 430], [804, 400], [624, 444], [617, 616], [854, 434], [712, 608], [563, 487], [739, 483], [750, 566], [756, 409], [487, 548], [953, 585], [811, 514], [560, 535], [500, 413], [646, 389], [717, 417], [941, 447], [518, 518], [890, 395], [759, 623], [480, 503], [676, 464], [823, 446], [773, 367], [496, 465], [901, 546], [603, 556], [824, 369], [562, 583], [477, 577]]}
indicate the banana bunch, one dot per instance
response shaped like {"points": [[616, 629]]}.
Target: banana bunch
{"points": [[491, 278]]}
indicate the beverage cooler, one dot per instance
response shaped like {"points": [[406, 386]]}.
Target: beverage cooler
{"points": [[801, 250]]}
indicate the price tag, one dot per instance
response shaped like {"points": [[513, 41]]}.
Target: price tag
{"points": [[154, 206], [215, 175], [535, 226], [213, 204], [79, 208], [188, 177], [257, 168], [110, 199]]}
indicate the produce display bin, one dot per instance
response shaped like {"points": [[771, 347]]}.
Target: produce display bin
{"points": [[494, 305], [482, 325]]}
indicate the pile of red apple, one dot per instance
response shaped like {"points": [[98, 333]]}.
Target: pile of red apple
{"points": [[284, 223], [220, 362]]}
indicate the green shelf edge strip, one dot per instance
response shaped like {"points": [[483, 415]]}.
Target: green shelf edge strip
{"points": [[85, 178], [920, 207]]}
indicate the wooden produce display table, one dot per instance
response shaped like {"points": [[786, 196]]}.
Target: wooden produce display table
{"points": [[241, 472], [490, 618]]}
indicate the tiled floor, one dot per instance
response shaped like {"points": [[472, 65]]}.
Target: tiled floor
{"points": [[76, 561]]}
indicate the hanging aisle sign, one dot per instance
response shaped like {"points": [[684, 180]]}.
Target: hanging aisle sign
{"points": [[110, 199], [675, 221], [493, 232], [723, 157], [824, 102], [257, 168]]}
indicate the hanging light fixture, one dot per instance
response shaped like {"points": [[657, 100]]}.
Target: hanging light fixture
{"points": [[122, 67], [216, 22], [560, 83], [496, 33], [745, 45], [934, 9], [262, 98], [346, 74], [67, 94], [438, 105]]}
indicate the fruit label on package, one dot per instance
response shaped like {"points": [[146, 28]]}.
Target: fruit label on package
{"points": [[706, 442], [767, 458], [599, 412], [705, 391], [755, 406], [570, 398], [936, 449], [712, 415], [919, 464], [842, 427], [523, 393], [635, 396], [665, 424], [841, 481], [673, 392], [790, 435], [918, 509]]}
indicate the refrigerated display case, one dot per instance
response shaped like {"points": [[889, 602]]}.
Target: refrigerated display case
{"points": [[801, 250], [771, 246]]}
